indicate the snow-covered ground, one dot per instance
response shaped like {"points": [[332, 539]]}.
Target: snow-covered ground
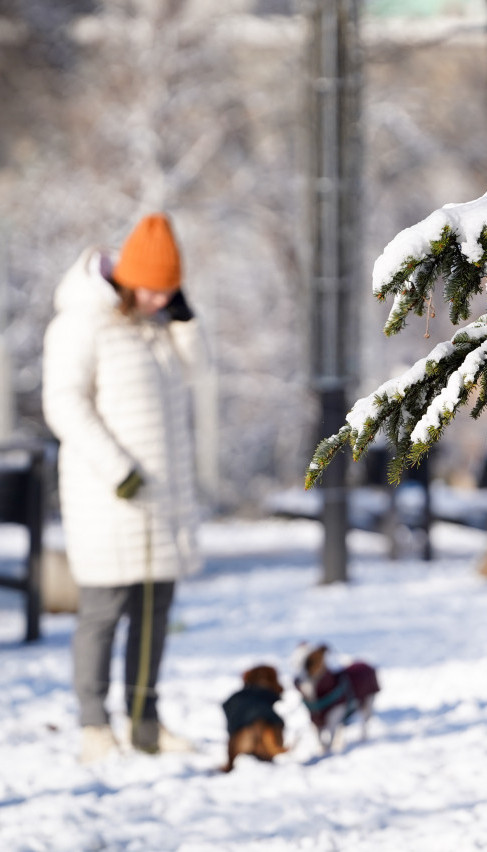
{"points": [[419, 783]]}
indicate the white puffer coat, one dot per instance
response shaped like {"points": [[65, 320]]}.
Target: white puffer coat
{"points": [[115, 393]]}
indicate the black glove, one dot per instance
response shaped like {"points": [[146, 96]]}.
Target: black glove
{"points": [[129, 487], [178, 308]]}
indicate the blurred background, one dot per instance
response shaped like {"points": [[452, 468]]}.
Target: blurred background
{"points": [[111, 110]]}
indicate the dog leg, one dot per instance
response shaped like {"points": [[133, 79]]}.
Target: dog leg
{"points": [[334, 726], [339, 739], [242, 742], [366, 711], [232, 753], [272, 741], [322, 737]]}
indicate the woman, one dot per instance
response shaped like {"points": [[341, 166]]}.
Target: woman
{"points": [[118, 357]]}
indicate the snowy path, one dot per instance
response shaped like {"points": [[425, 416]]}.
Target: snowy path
{"points": [[420, 783]]}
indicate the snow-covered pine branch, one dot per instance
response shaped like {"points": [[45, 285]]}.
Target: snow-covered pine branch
{"points": [[414, 408], [451, 243]]}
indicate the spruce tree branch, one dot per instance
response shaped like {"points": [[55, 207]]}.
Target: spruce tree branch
{"points": [[454, 393], [415, 279], [413, 409], [324, 454]]}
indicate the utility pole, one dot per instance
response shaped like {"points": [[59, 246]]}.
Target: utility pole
{"points": [[335, 75]]}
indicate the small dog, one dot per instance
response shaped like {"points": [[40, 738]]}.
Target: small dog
{"points": [[253, 725], [333, 697]]}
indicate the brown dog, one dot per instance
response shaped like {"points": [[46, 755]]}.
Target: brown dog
{"points": [[332, 697], [253, 725]]}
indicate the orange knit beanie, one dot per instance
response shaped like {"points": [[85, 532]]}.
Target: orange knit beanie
{"points": [[149, 257]]}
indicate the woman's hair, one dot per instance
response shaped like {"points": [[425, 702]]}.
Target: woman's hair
{"points": [[127, 297]]}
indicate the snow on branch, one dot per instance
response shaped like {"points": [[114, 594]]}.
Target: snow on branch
{"points": [[450, 243], [414, 408]]}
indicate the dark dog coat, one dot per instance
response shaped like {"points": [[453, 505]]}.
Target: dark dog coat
{"points": [[248, 706]]}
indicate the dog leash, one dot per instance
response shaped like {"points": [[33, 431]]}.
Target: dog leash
{"points": [[143, 672]]}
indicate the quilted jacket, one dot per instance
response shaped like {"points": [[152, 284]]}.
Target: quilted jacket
{"points": [[116, 395]]}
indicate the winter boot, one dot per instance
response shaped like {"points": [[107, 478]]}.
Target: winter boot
{"points": [[97, 742], [152, 737]]}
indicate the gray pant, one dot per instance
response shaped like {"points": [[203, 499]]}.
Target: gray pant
{"points": [[100, 609]]}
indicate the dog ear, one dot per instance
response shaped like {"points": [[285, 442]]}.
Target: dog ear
{"points": [[315, 658], [249, 676], [277, 685]]}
